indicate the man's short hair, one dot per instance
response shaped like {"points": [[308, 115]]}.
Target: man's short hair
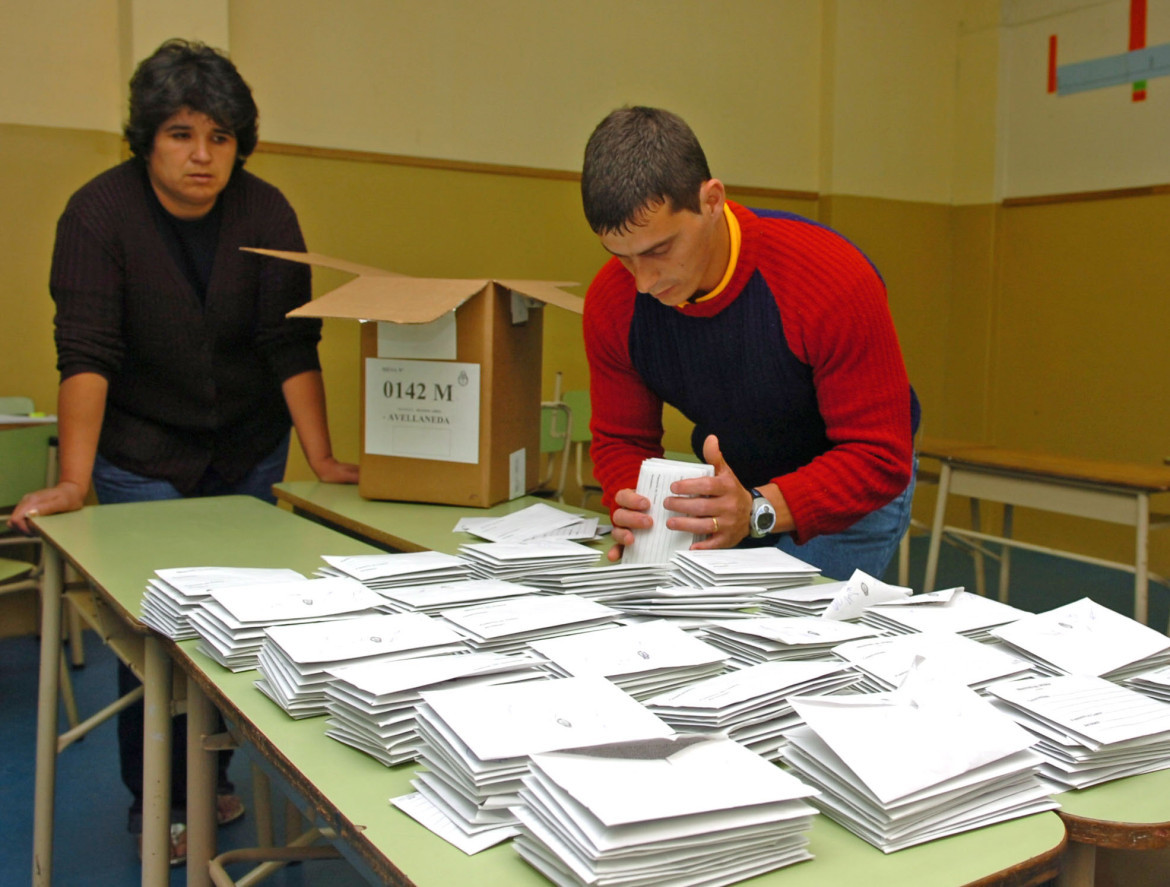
{"points": [[638, 158], [187, 74]]}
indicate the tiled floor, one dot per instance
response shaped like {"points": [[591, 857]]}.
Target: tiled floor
{"points": [[94, 850]]}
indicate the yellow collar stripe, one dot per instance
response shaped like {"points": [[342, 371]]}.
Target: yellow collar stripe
{"points": [[733, 258]]}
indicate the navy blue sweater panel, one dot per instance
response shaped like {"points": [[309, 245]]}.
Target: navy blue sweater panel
{"points": [[734, 376]]}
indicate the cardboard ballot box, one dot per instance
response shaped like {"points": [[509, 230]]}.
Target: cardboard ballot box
{"points": [[451, 373]]}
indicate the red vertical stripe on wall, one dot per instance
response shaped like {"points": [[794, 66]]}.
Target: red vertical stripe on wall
{"points": [[1137, 24], [1137, 40], [1052, 63]]}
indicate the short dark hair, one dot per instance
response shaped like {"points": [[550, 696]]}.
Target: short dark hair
{"points": [[637, 158], [187, 74]]}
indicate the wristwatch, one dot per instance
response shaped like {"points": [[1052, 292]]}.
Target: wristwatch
{"points": [[763, 516]]}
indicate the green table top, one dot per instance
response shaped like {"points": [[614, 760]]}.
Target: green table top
{"points": [[407, 526], [119, 546]]}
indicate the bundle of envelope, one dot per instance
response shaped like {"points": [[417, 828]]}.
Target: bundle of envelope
{"points": [[1154, 683], [643, 659], [295, 660], [751, 706], [510, 624], [885, 661], [951, 609], [434, 599], [768, 567], [476, 741], [656, 544], [371, 705], [930, 759], [1089, 730], [173, 593], [397, 570], [231, 621], [771, 638], [1086, 638], [800, 600], [539, 521], [600, 583], [687, 605], [684, 811], [516, 560]]}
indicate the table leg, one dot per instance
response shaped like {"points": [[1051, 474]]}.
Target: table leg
{"points": [[1005, 554], [977, 551], [936, 528], [156, 765], [1080, 866], [1141, 567], [50, 674], [201, 784]]}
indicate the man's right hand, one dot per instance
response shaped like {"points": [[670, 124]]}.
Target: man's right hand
{"points": [[632, 513]]}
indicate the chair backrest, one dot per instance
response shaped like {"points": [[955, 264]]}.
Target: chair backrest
{"points": [[24, 461], [16, 406], [578, 401], [556, 420]]}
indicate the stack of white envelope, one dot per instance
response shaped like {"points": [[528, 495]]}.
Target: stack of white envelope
{"points": [[770, 638], [643, 659], [476, 741], [689, 606], [434, 599], [372, 704], [768, 567], [1090, 730], [539, 521], [516, 560], [231, 621], [398, 569], [600, 583], [295, 659], [1154, 683], [951, 609], [656, 544], [509, 625], [688, 811], [751, 705], [930, 759], [1086, 638], [800, 600], [885, 661], [175, 592]]}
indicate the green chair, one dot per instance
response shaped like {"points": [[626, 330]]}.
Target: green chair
{"points": [[16, 406], [28, 461], [581, 437], [556, 422]]}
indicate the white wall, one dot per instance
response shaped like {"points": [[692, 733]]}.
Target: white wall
{"points": [[1088, 141]]}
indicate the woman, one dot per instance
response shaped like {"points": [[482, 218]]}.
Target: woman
{"points": [[180, 374]]}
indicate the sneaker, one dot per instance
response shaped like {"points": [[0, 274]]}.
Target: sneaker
{"points": [[178, 844], [228, 808]]}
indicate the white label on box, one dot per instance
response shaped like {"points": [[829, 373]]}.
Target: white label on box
{"points": [[517, 474], [419, 341], [422, 409]]}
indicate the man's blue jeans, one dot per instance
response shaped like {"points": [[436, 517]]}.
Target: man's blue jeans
{"points": [[868, 545]]}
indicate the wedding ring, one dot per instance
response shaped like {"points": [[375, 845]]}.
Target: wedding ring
{"points": [[715, 522]]}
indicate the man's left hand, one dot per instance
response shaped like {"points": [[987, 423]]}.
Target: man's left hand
{"points": [[717, 507]]}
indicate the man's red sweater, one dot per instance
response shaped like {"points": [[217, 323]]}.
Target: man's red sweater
{"points": [[794, 365]]}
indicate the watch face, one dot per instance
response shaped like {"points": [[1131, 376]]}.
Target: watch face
{"points": [[763, 516]]}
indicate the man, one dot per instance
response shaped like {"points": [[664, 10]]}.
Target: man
{"points": [[180, 374], [772, 335]]}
